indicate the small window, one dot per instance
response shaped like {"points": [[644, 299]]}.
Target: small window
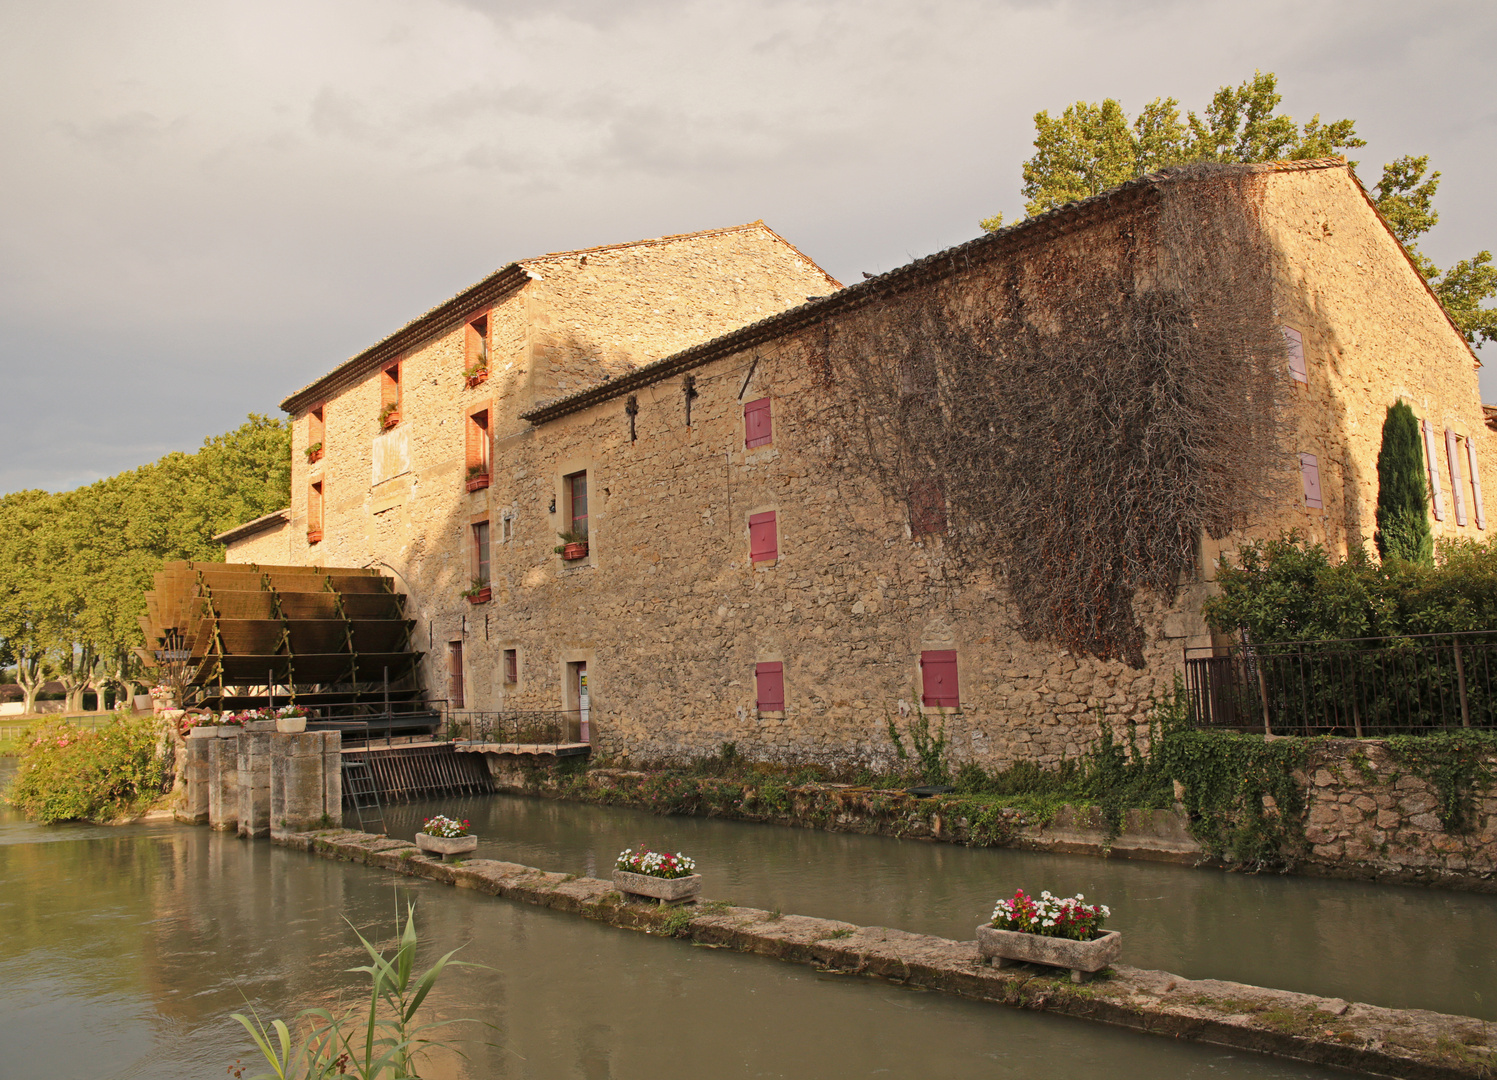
{"points": [[476, 350], [481, 552], [316, 433], [477, 449], [506, 528], [1296, 345], [927, 508], [1481, 517], [938, 679], [511, 667], [1309, 471], [1453, 459], [764, 542], [769, 679], [389, 397], [576, 487], [314, 513], [1432, 464], [757, 427]]}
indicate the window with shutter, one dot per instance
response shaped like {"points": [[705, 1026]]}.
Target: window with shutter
{"points": [[1453, 458], [1432, 464], [316, 433], [1309, 471], [1296, 344], [389, 396], [927, 508], [1481, 517], [576, 485], [481, 551], [757, 427], [511, 666], [476, 350], [764, 543], [769, 680], [938, 678], [476, 449]]}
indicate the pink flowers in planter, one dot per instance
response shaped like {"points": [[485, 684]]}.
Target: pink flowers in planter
{"points": [[1050, 916], [445, 827]]}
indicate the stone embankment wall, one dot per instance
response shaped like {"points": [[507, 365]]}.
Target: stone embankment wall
{"points": [[1328, 1031], [1368, 815]]}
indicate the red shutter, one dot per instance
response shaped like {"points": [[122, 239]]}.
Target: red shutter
{"points": [[757, 429], [1309, 471], [927, 508], [938, 678], [1457, 496], [770, 681], [1432, 463], [1296, 345], [1481, 518], [764, 545]]}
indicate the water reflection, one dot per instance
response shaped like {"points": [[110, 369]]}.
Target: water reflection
{"points": [[127, 949], [1398, 946]]}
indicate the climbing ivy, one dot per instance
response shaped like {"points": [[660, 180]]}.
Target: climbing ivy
{"points": [[1456, 764]]}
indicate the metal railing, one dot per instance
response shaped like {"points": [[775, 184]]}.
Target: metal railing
{"points": [[547, 727], [1358, 687]]}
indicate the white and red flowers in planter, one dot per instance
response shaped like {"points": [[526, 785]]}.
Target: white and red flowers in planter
{"points": [[659, 875], [1051, 916], [1056, 931], [445, 836]]}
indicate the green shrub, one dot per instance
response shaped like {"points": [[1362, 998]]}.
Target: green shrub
{"points": [[66, 772]]}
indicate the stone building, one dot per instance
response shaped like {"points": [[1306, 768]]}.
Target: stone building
{"points": [[743, 577]]}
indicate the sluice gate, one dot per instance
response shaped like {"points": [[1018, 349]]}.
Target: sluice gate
{"points": [[418, 770]]}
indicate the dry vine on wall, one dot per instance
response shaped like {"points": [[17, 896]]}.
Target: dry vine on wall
{"points": [[1086, 406]]}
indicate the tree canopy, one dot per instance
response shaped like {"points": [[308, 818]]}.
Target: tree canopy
{"points": [[1090, 148], [74, 565]]}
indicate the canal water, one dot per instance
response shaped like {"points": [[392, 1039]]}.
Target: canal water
{"points": [[125, 950]]}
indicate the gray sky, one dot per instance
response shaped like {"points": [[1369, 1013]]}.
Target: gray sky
{"points": [[204, 206]]}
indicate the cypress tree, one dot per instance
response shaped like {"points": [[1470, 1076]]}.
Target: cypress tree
{"points": [[1402, 497]]}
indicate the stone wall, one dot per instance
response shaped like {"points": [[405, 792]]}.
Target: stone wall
{"points": [[270, 546], [1368, 816]]}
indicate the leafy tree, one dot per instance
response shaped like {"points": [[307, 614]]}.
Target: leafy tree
{"points": [[1402, 522], [1090, 148]]}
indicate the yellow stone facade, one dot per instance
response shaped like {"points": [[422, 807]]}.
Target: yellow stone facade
{"points": [[596, 358]]}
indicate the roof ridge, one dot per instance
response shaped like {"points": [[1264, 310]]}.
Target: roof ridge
{"points": [[667, 239]]}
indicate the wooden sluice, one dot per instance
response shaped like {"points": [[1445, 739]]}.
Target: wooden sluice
{"points": [[414, 771]]}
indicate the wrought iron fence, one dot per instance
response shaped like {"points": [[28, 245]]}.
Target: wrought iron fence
{"points": [[1354, 687], [530, 727]]}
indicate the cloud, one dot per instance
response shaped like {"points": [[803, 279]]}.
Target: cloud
{"points": [[208, 205]]}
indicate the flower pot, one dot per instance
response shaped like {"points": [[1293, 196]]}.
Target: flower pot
{"points": [[573, 552], [482, 596], [390, 421], [446, 845], [314, 536], [681, 890], [314, 457], [479, 482], [291, 725], [476, 378], [1084, 958], [202, 731]]}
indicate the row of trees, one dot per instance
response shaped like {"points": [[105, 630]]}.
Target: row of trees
{"points": [[74, 565], [1090, 148]]}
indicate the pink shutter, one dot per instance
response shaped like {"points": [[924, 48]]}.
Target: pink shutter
{"points": [[1481, 518], [1309, 471], [757, 427], [938, 678], [1432, 464], [1457, 496], [764, 545], [1296, 345], [770, 681]]}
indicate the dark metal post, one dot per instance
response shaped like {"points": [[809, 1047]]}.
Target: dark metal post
{"points": [[270, 687], [1460, 678]]}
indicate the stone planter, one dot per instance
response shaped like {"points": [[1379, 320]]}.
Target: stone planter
{"points": [[291, 725], [446, 845], [203, 731], [573, 552], [1084, 958], [227, 731], [681, 890]]}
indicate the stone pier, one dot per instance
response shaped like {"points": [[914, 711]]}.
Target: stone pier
{"points": [[192, 809], [306, 782], [223, 784], [254, 778]]}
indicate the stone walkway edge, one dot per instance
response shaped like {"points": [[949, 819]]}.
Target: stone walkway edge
{"points": [[1405, 1043]]}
